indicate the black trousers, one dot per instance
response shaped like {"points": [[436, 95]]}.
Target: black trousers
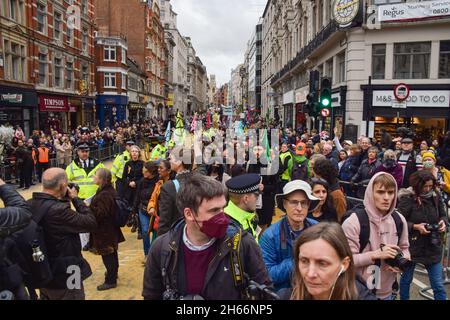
{"points": [[111, 262], [41, 167], [26, 172]]}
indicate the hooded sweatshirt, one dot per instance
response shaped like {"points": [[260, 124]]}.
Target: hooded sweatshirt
{"points": [[382, 231]]}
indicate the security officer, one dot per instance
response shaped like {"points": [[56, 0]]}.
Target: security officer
{"points": [[119, 165], [244, 191], [159, 151], [82, 171]]}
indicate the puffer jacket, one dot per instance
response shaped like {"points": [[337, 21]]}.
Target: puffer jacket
{"points": [[382, 231], [365, 173], [426, 211], [278, 256], [167, 253]]}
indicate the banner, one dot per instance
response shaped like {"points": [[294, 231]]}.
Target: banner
{"points": [[413, 11]]}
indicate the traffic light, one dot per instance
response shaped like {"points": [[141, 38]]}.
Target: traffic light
{"points": [[312, 98], [325, 93]]}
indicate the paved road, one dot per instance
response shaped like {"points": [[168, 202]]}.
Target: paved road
{"points": [[131, 270]]}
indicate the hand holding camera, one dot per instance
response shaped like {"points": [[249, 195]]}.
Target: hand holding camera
{"points": [[72, 190], [388, 251], [421, 227]]}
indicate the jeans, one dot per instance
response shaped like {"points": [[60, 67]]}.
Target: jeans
{"points": [[436, 281], [145, 223], [111, 262]]}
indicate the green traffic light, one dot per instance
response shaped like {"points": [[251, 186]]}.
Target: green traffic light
{"points": [[325, 102]]}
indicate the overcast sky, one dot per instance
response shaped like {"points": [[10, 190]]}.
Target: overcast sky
{"points": [[219, 30]]}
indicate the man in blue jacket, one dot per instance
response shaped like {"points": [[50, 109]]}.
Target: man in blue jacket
{"points": [[277, 241]]}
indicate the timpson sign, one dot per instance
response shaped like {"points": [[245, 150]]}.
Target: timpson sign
{"points": [[413, 11], [52, 103]]}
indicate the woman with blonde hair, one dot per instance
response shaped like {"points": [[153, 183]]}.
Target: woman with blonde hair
{"points": [[324, 267]]}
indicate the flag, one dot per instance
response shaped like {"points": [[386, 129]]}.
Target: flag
{"points": [[265, 144], [168, 134], [194, 123], [180, 122]]}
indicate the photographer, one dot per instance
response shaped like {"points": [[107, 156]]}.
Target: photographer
{"points": [[377, 234], [61, 226], [203, 256], [426, 217], [15, 216]]}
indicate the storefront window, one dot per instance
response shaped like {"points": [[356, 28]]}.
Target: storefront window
{"points": [[412, 60], [378, 61], [444, 60]]}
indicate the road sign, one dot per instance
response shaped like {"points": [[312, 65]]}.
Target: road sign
{"points": [[401, 91], [399, 104], [325, 112]]}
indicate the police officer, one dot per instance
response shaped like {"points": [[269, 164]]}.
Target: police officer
{"points": [[82, 171], [119, 165], [244, 191], [159, 151]]}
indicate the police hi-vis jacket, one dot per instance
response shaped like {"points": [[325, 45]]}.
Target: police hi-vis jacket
{"points": [[84, 177]]}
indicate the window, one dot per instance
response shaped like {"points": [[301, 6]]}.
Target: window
{"points": [[444, 60], [84, 40], [330, 68], [124, 56], [110, 53], [149, 42], [110, 80], [124, 81], [42, 69], [57, 25], [69, 75], [412, 60], [69, 37], [378, 61], [84, 7], [16, 9], [341, 67], [149, 86], [15, 57], [58, 70], [148, 64], [41, 17], [85, 73]]}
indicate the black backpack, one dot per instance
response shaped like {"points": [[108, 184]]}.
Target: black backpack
{"points": [[123, 212], [363, 218], [299, 170]]}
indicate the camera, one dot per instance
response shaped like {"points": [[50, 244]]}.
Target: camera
{"points": [[72, 185], [435, 237], [400, 262]]}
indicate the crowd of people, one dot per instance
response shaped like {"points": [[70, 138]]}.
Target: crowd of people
{"points": [[339, 219]]}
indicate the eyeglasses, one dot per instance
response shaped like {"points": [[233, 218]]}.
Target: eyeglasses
{"points": [[295, 203]]}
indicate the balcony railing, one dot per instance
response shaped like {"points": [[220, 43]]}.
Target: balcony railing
{"points": [[318, 40]]}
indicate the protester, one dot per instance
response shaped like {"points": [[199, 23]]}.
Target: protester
{"points": [[426, 216], [407, 160], [278, 240], [325, 210], [366, 171], [391, 166], [181, 262]]}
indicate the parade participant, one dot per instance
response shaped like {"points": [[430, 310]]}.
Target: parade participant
{"points": [[407, 160], [199, 257], [118, 167], [426, 216], [181, 161], [106, 238], [298, 164], [244, 191], [81, 171], [324, 169], [325, 210], [284, 172], [390, 165], [324, 267], [61, 226], [366, 171], [144, 190], [372, 249], [164, 173], [277, 241]]}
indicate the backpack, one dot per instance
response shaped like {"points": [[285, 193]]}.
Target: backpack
{"points": [[363, 218], [123, 212], [299, 170]]}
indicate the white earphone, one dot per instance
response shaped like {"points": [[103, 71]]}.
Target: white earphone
{"points": [[341, 271]]}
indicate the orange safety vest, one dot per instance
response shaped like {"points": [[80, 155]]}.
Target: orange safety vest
{"points": [[43, 154], [33, 155]]}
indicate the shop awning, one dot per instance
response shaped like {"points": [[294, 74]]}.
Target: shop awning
{"points": [[136, 106]]}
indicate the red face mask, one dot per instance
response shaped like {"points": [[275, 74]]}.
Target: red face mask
{"points": [[216, 227]]}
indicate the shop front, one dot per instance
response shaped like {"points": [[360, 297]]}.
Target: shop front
{"points": [[18, 106], [111, 109], [426, 111], [75, 112], [136, 112], [337, 117], [288, 109], [88, 112], [54, 113], [300, 112]]}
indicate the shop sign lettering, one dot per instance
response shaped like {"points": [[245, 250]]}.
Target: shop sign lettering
{"points": [[417, 98]]}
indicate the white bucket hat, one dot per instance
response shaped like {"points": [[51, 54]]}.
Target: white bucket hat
{"points": [[296, 185]]}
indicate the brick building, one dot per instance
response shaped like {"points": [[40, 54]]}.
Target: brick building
{"points": [[46, 63]]}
